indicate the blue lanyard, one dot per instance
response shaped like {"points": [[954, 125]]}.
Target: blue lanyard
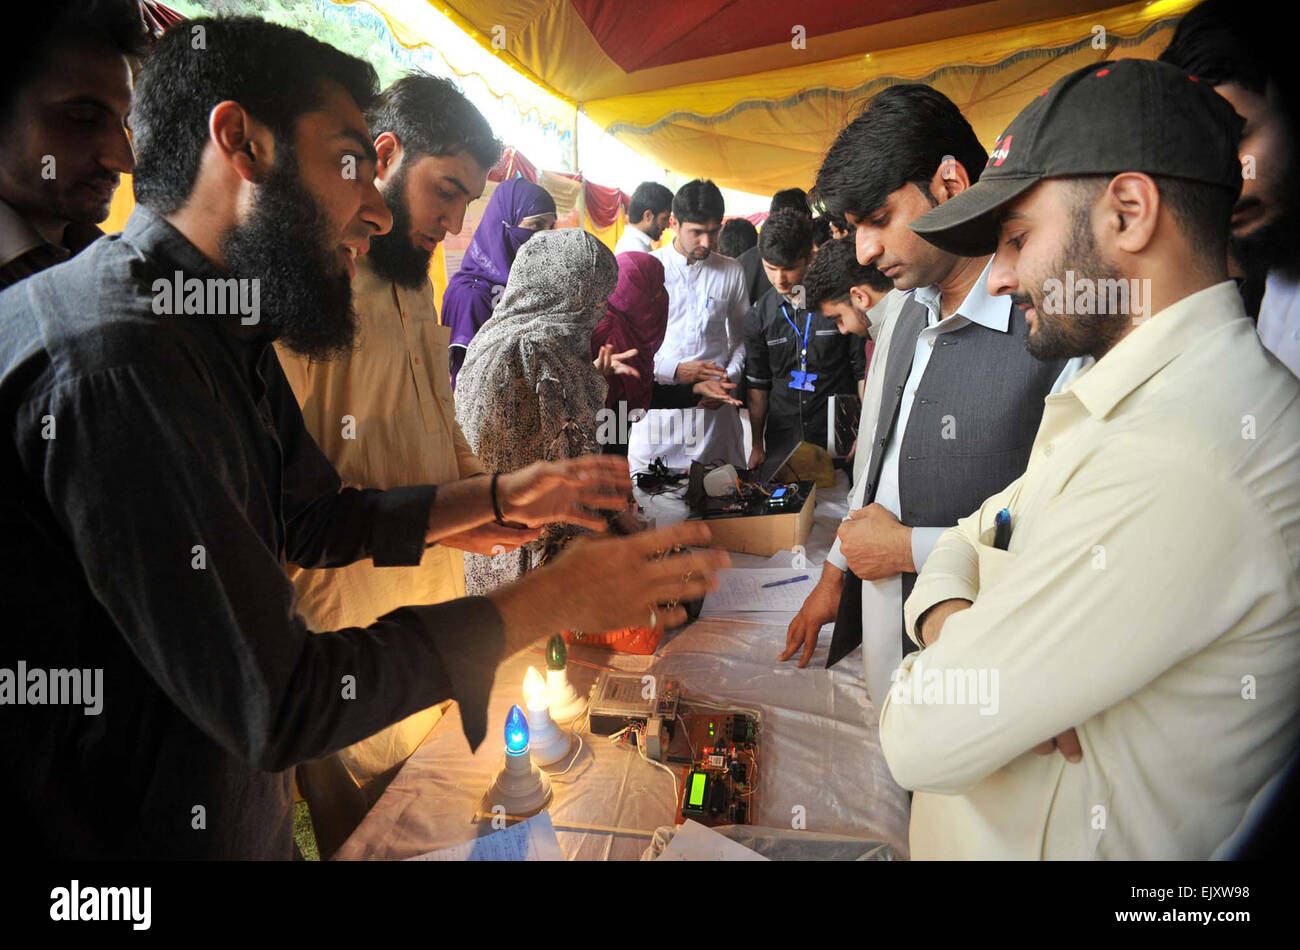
{"points": [[803, 342]]}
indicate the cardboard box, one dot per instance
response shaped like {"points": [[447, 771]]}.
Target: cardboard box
{"points": [[764, 534]]}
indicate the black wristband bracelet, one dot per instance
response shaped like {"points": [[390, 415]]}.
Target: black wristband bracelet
{"points": [[496, 507]]}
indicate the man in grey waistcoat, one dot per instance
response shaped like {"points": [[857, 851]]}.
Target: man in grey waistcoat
{"points": [[961, 398]]}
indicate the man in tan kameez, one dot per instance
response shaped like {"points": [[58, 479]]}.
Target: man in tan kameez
{"points": [[383, 413]]}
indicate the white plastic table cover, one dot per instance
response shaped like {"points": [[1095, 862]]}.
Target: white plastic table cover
{"points": [[820, 763]]}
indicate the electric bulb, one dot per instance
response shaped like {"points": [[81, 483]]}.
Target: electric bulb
{"points": [[565, 703], [516, 732], [520, 787], [556, 655], [534, 689]]}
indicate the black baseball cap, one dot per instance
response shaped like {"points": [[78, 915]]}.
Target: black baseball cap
{"points": [[1131, 115]]}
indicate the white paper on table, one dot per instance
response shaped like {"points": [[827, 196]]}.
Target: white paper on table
{"points": [[531, 840], [742, 589], [696, 842]]}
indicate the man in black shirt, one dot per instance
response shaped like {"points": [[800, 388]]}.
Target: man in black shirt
{"points": [[795, 359], [158, 477]]}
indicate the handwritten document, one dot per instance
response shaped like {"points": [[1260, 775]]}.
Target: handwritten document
{"points": [[742, 589], [531, 840]]}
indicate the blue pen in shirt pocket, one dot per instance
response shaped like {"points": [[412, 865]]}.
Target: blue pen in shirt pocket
{"points": [[1002, 529]]}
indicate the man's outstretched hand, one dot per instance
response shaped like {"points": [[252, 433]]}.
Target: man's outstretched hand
{"points": [[697, 371], [819, 609], [716, 393], [563, 491], [601, 583]]}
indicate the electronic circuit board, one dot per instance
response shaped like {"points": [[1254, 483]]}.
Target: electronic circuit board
{"points": [[719, 752]]}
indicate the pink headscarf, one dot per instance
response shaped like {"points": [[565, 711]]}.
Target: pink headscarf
{"points": [[636, 317]]}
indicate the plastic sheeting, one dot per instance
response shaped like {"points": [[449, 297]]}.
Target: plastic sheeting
{"points": [[779, 844], [819, 760]]}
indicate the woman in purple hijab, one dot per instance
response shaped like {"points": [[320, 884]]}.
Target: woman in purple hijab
{"points": [[515, 212]]}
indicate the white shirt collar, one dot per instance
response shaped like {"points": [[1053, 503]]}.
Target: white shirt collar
{"points": [[979, 306], [17, 237], [679, 259], [639, 237]]}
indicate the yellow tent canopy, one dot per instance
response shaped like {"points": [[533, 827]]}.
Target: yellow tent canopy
{"points": [[751, 93]]}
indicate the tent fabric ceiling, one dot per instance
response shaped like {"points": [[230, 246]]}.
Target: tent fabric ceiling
{"points": [[639, 34], [717, 89]]}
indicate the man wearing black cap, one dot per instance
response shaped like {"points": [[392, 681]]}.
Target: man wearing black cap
{"points": [[1136, 593]]}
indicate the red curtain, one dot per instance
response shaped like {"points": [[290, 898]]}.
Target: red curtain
{"points": [[602, 202], [512, 165], [158, 17]]}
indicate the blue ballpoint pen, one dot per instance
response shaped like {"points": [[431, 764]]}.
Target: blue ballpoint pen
{"points": [[790, 580], [1002, 529]]}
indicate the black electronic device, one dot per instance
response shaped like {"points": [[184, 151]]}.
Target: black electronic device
{"points": [[753, 497], [658, 478], [782, 498]]}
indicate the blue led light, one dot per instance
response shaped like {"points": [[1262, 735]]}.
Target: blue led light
{"points": [[516, 732]]}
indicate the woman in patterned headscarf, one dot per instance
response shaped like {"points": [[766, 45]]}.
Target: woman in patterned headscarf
{"points": [[516, 211], [528, 390]]}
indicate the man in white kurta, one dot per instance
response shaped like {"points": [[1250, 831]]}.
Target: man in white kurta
{"points": [[706, 322]]}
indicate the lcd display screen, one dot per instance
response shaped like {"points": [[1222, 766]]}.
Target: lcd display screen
{"points": [[698, 779]]}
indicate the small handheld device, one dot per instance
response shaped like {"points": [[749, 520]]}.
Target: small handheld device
{"points": [[782, 498]]}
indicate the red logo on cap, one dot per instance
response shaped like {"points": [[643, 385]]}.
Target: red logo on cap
{"points": [[1102, 73], [1001, 149]]}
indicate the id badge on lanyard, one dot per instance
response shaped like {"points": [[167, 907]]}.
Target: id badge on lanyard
{"points": [[800, 378]]}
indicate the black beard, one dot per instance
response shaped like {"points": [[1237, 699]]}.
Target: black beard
{"points": [[1275, 245], [392, 255], [286, 244], [1064, 336]]}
